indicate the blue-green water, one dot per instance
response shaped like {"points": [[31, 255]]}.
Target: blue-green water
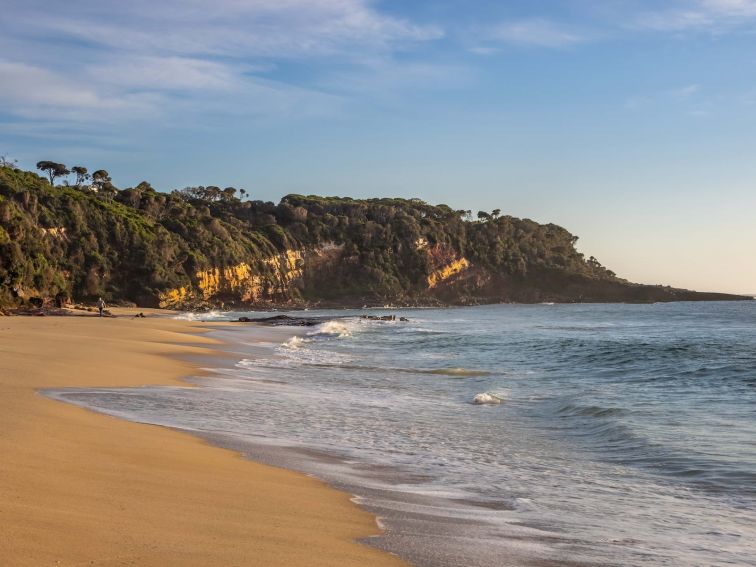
{"points": [[626, 434]]}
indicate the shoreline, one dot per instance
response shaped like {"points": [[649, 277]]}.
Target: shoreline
{"points": [[268, 307], [412, 522], [80, 487]]}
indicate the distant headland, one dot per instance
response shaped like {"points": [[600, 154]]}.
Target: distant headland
{"points": [[203, 247]]}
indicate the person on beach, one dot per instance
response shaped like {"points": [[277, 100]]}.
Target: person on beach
{"points": [[100, 306]]}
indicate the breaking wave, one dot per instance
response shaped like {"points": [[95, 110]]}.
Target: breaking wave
{"points": [[487, 398], [294, 343], [213, 315], [334, 328]]}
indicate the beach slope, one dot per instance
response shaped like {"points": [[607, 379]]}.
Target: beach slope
{"points": [[79, 488]]}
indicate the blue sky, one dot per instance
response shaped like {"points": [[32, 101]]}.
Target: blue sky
{"points": [[631, 123]]}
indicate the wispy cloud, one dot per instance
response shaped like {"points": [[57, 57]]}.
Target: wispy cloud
{"points": [[274, 28], [698, 15], [35, 92], [689, 99], [731, 7], [535, 32], [385, 81], [167, 73], [94, 61], [685, 92]]}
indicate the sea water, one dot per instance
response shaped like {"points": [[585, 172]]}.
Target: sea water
{"points": [[612, 434]]}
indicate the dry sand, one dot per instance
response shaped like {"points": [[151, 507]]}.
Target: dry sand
{"points": [[79, 488]]}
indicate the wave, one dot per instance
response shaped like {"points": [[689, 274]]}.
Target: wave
{"points": [[203, 316], [334, 328], [575, 410], [452, 372], [611, 433], [459, 372], [295, 343], [487, 398]]}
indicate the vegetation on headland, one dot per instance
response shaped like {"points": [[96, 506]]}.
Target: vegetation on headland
{"points": [[212, 246]]}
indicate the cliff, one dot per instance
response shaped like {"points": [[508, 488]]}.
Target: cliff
{"points": [[204, 246]]}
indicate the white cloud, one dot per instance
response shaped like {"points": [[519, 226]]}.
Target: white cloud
{"points": [[731, 7], [90, 61], [535, 32], [254, 28], [382, 79], [689, 99], [35, 92], [684, 92], [167, 73], [673, 21], [702, 15], [484, 50]]}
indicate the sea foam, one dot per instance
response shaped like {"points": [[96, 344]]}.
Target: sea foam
{"points": [[487, 398], [335, 328]]}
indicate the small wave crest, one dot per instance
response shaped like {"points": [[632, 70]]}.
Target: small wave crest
{"points": [[459, 372], [451, 372], [294, 343], [333, 328], [487, 398], [576, 410], [194, 316]]}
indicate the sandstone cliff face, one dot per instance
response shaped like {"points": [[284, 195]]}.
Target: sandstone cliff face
{"points": [[55, 232], [447, 265], [270, 280], [279, 278], [448, 271]]}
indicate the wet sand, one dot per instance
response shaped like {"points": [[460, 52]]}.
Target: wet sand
{"points": [[79, 488]]}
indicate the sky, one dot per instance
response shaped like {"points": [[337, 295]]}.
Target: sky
{"points": [[631, 123]]}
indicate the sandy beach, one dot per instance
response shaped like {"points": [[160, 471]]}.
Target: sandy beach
{"points": [[80, 488]]}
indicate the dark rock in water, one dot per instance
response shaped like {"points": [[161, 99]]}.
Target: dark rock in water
{"points": [[288, 321], [383, 318], [404, 319]]}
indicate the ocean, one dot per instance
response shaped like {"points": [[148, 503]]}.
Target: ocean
{"points": [[612, 434]]}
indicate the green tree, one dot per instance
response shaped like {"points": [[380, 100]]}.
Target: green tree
{"points": [[212, 193], [100, 178], [81, 174], [53, 170], [228, 194]]}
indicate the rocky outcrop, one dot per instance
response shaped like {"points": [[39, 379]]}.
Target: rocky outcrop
{"points": [[448, 271], [271, 280], [55, 232]]}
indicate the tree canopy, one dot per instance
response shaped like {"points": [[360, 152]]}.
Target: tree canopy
{"points": [[139, 244]]}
